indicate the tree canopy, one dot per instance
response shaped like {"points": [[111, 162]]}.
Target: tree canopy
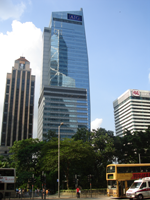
{"points": [[73, 156], [85, 153]]}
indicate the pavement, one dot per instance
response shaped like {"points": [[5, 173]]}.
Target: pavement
{"points": [[66, 197]]}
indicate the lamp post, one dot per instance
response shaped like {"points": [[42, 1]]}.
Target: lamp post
{"points": [[59, 159]]}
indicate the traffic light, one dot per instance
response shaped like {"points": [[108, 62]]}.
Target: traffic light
{"points": [[34, 180], [90, 178]]}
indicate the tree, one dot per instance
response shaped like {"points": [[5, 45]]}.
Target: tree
{"points": [[133, 145], [50, 135], [74, 155], [5, 162], [25, 155], [104, 147], [82, 134]]}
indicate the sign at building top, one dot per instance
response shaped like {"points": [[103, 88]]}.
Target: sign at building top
{"points": [[135, 92], [75, 17]]}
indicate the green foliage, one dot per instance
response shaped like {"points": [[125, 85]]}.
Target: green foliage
{"points": [[25, 155], [103, 144], [86, 153], [5, 162], [82, 134], [51, 135], [74, 155], [129, 147]]}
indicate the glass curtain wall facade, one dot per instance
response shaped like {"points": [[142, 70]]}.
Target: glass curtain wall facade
{"points": [[65, 65], [17, 123]]}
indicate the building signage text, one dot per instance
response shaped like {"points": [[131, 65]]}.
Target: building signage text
{"points": [[136, 93], [140, 175], [6, 179], [75, 17]]}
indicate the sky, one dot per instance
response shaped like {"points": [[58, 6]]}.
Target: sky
{"points": [[118, 43]]}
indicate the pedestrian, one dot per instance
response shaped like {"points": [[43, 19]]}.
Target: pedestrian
{"points": [[30, 192], [38, 191], [22, 192], [35, 192], [78, 192], [43, 193], [19, 192]]}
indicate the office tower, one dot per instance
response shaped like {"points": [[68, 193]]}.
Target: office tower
{"points": [[132, 111], [65, 94], [17, 122]]}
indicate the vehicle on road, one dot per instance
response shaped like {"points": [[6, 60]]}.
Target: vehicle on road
{"points": [[121, 176], [140, 189]]}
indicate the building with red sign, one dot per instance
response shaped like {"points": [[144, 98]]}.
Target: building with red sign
{"points": [[132, 111]]}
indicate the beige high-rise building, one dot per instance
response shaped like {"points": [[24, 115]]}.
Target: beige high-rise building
{"points": [[132, 111], [17, 122]]}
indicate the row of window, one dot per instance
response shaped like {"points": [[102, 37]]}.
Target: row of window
{"points": [[66, 21], [66, 105], [64, 100], [73, 32]]}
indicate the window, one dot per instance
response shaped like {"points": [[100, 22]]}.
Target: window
{"points": [[7, 172], [10, 186], [1, 186], [143, 185], [112, 185], [111, 169]]}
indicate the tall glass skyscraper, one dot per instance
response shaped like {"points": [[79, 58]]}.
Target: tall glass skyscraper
{"points": [[65, 93]]}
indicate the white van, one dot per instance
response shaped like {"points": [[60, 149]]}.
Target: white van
{"points": [[140, 189]]}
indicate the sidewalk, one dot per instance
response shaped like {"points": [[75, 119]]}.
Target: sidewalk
{"points": [[55, 196]]}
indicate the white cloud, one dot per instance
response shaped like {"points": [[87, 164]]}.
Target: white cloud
{"points": [[9, 10], [96, 123], [24, 40]]}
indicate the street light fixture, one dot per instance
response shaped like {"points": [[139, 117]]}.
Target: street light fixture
{"points": [[59, 159]]}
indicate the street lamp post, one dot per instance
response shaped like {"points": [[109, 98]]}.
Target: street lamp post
{"points": [[59, 159]]}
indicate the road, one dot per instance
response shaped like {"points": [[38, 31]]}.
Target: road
{"points": [[100, 197], [63, 197]]}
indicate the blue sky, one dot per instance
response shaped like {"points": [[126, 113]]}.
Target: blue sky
{"points": [[118, 42]]}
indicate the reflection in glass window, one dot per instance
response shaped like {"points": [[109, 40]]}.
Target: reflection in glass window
{"points": [[110, 169], [112, 185]]}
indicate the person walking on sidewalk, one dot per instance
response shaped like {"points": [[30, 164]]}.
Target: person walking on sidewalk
{"points": [[78, 192]]}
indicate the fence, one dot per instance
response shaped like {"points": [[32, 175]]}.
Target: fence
{"points": [[84, 193], [64, 193]]}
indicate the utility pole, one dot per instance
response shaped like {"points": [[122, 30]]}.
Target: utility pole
{"points": [[90, 180], [45, 186], [59, 159], [42, 179], [139, 158]]}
